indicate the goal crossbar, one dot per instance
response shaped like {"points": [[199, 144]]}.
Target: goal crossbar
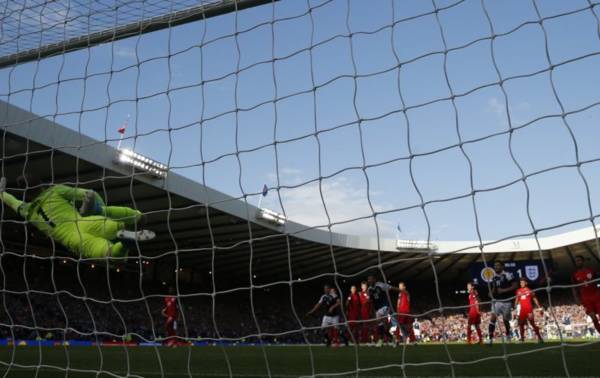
{"points": [[137, 28]]}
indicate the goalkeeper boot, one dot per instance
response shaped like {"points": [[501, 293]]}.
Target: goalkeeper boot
{"points": [[141, 236]]}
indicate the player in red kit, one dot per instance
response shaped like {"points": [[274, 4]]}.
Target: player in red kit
{"points": [[405, 321], [170, 313], [366, 310], [474, 317], [589, 295], [353, 308], [523, 301]]}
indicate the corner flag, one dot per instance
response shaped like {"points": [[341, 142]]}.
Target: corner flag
{"points": [[265, 191], [121, 131]]}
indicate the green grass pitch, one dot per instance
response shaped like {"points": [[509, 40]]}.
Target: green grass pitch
{"points": [[291, 361]]}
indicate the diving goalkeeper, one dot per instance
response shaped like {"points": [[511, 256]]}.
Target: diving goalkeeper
{"points": [[77, 218]]}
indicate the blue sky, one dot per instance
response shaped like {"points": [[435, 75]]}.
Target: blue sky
{"points": [[193, 93]]}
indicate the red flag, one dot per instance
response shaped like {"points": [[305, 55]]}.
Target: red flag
{"points": [[124, 126]]}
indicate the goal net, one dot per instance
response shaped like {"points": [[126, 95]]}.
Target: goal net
{"points": [[231, 187]]}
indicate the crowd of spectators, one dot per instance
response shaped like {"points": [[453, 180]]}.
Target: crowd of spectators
{"points": [[571, 320], [124, 310]]}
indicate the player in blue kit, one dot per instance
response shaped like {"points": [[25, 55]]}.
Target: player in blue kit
{"points": [[503, 287], [380, 296], [332, 304]]}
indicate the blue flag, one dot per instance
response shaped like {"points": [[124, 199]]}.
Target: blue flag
{"points": [[265, 190]]}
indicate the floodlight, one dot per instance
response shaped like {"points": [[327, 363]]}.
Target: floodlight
{"points": [[415, 245], [271, 216], [142, 163]]}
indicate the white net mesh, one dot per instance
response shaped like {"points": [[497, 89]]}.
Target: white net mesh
{"points": [[191, 173]]}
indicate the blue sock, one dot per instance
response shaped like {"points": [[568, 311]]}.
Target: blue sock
{"points": [[381, 332], [491, 330]]}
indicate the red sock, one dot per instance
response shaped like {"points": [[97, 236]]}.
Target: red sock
{"points": [[411, 334], [351, 330], [522, 330], [469, 334], [334, 335], [364, 332], [535, 329], [479, 333], [386, 334]]}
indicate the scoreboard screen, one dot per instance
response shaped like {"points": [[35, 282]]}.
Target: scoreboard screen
{"points": [[532, 270]]}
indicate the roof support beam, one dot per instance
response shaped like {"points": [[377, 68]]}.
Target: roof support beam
{"points": [[394, 271], [591, 252], [268, 249], [241, 249], [471, 261], [363, 260], [447, 267], [304, 270], [320, 258], [316, 254], [312, 255], [435, 263], [570, 254]]}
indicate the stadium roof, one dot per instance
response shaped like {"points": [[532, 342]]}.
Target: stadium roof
{"points": [[211, 232]]}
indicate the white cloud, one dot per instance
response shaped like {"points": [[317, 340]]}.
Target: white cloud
{"points": [[288, 176], [290, 171], [495, 106], [125, 52], [345, 200]]}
